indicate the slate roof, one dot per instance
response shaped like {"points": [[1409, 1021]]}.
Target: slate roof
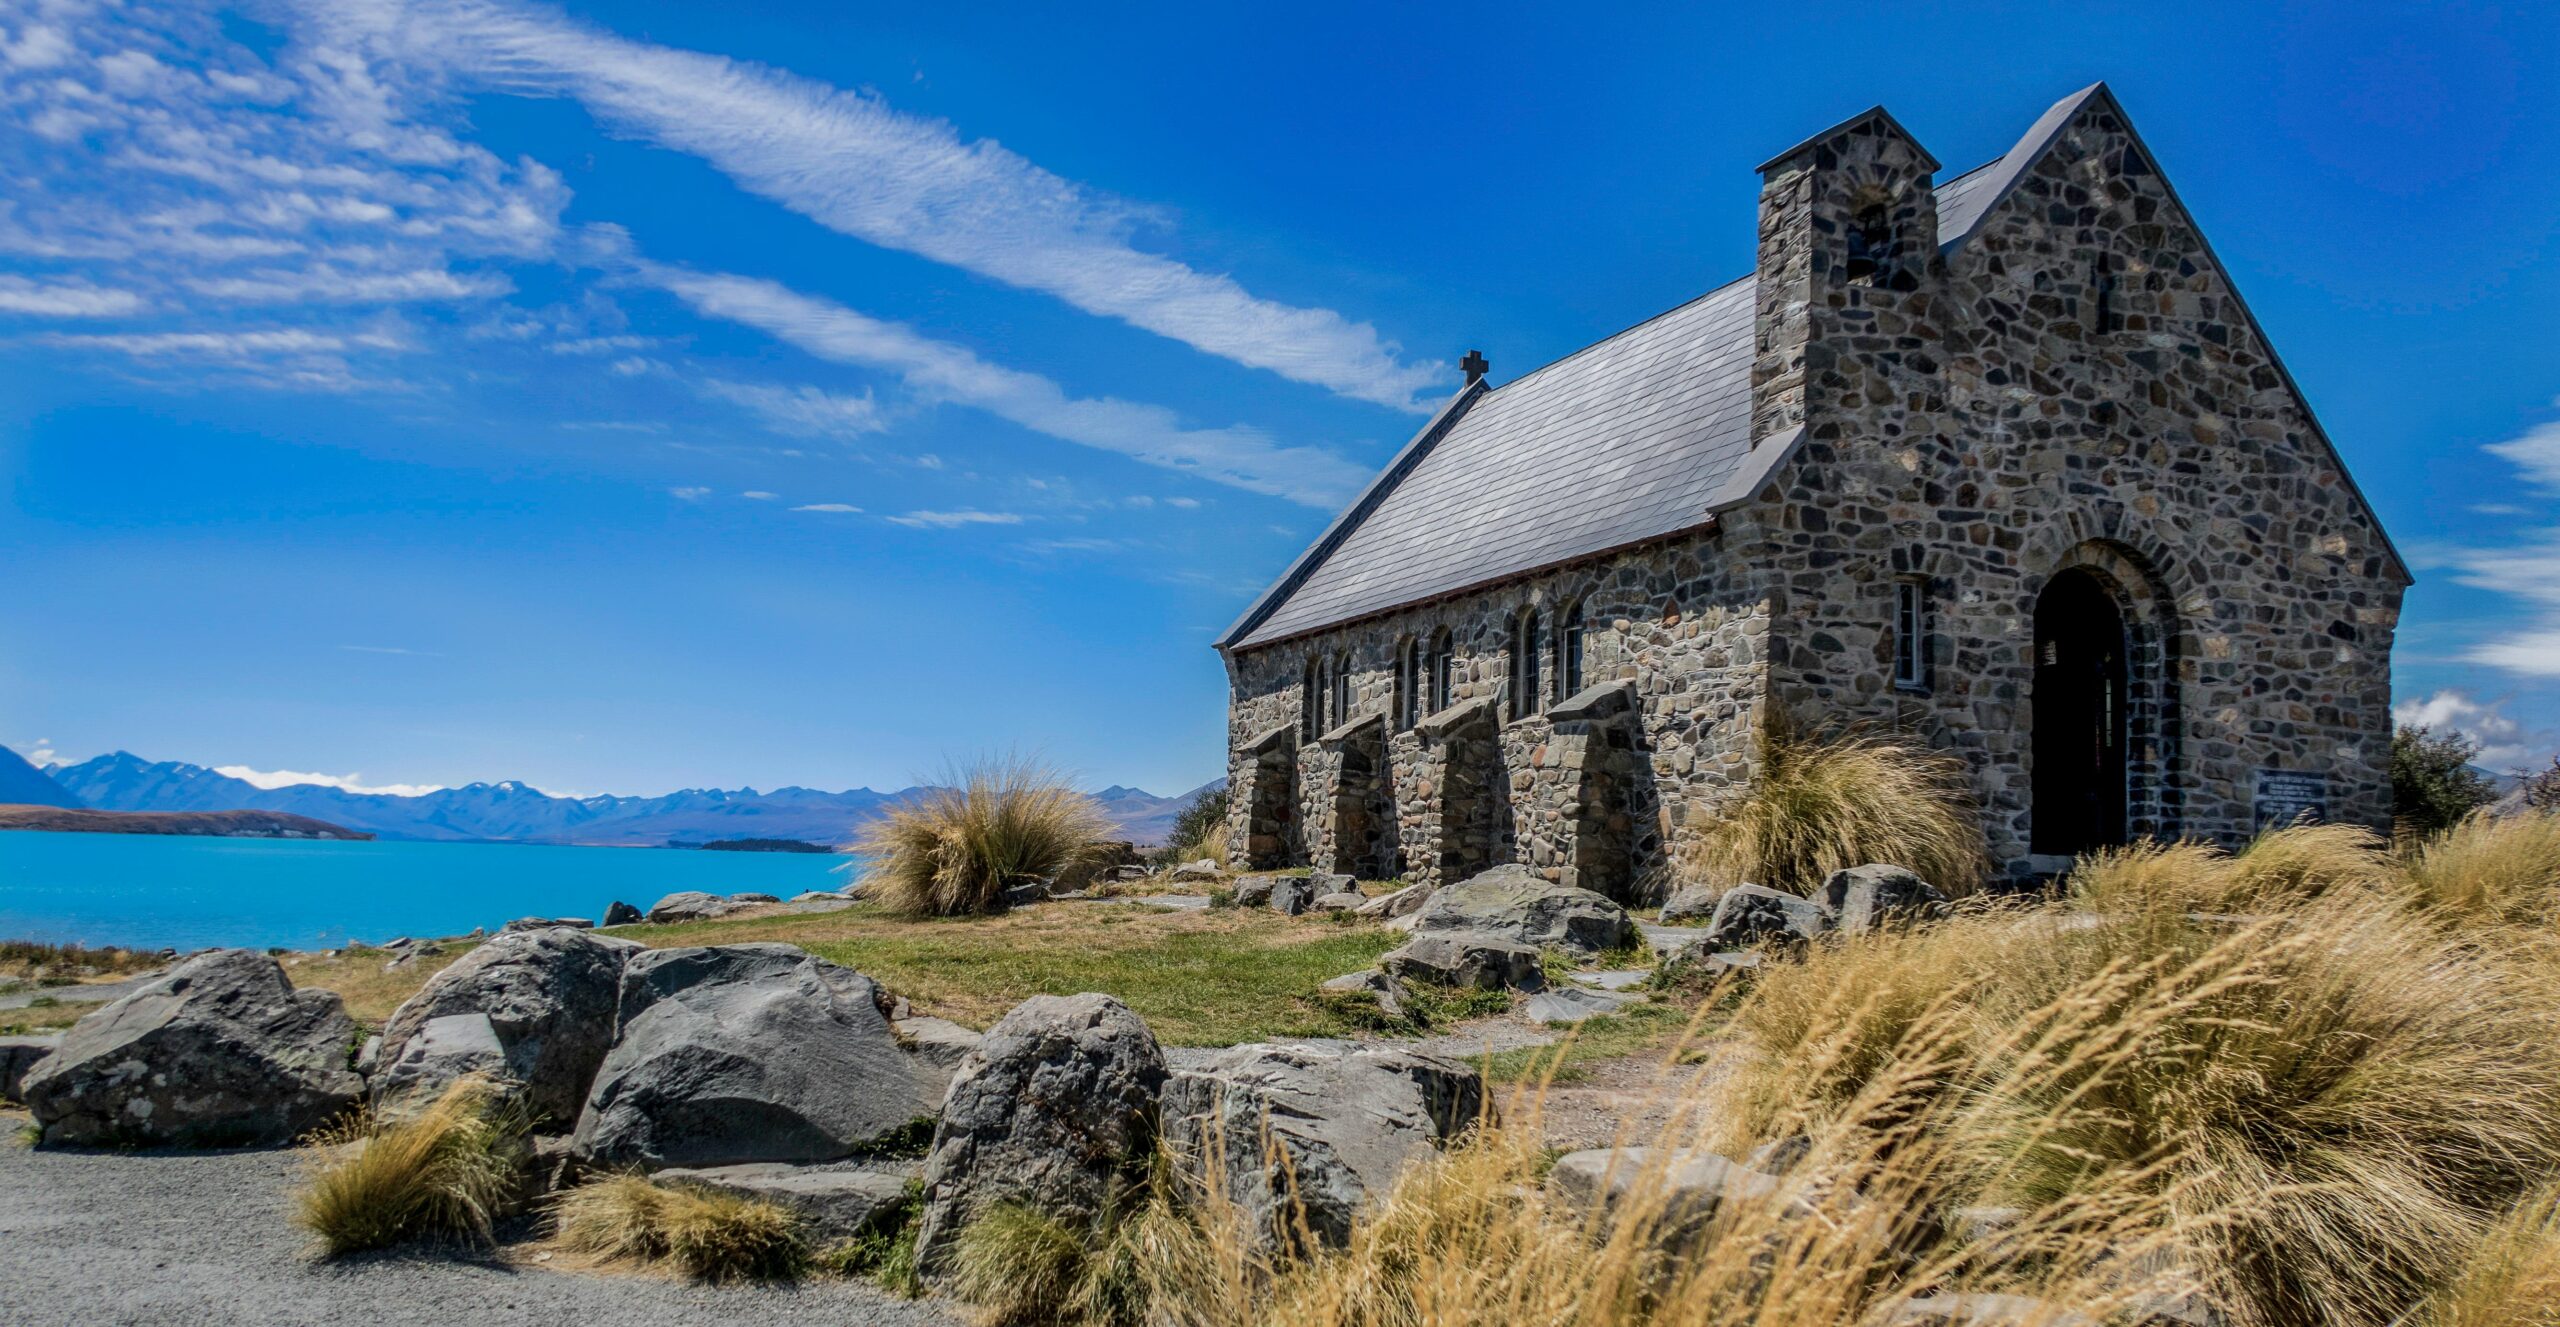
{"points": [[1637, 437]]}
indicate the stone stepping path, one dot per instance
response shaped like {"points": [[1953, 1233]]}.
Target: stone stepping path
{"points": [[1664, 939]]}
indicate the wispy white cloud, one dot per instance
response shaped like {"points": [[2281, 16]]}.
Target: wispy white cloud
{"points": [[759, 495], [65, 299], [354, 783], [952, 520], [390, 649], [2527, 570], [851, 162], [802, 411], [839, 508], [1239, 455], [690, 493]]}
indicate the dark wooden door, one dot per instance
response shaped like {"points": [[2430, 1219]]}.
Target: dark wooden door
{"points": [[2079, 708]]}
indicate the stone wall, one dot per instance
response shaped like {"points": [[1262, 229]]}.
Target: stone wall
{"points": [[2075, 391], [1979, 427], [1519, 787]]}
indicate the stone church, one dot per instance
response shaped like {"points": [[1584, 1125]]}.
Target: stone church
{"points": [[2000, 464]]}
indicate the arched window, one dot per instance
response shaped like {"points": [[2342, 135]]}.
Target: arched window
{"points": [[1309, 697], [1342, 689], [1527, 641], [1408, 682], [1444, 672], [1569, 642], [1870, 246], [1320, 696]]}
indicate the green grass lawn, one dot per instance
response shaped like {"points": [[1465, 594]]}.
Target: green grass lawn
{"points": [[1210, 978]]}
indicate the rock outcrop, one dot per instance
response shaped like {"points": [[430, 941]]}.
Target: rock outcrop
{"points": [[446, 1048], [1056, 1110], [551, 998], [620, 913], [219, 1051], [737, 1053], [1300, 1137], [1520, 905]]}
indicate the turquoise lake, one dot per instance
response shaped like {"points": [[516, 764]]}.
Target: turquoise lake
{"points": [[146, 891]]}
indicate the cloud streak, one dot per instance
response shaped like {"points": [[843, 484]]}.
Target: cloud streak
{"points": [[1237, 455], [851, 162], [2528, 570]]}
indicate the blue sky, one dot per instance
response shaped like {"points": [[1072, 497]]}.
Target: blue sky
{"points": [[643, 395]]}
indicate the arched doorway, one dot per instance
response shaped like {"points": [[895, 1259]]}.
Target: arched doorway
{"points": [[2080, 707]]}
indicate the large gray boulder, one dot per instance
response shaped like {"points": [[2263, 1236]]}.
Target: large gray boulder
{"points": [[445, 1049], [1254, 891], [690, 905], [1750, 915], [1468, 959], [1518, 904], [219, 1051], [619, 913], [18, 1056], [1403, 902], [1055, 1110], [1871, 897], [763, 1052], [1299, 1137], [550, 997]]}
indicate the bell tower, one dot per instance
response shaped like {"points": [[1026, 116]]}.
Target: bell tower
{"points": [[1848, 238]]}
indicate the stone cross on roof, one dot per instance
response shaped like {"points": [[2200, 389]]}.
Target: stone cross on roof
{"points": [[1475, 365]]}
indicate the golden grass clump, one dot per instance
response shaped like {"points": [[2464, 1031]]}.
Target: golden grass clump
{"points": [[2492, 869], [709, 1236], [446, 1172], [2333, 1101], [952, 850], [1819, 806], [2512, 1278]]}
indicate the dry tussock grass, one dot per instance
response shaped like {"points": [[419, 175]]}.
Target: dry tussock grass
{"points": [[2343, 1111], [2487, 871], [446, 1172], [1822, 805], [952, 850], [709, 1236]]}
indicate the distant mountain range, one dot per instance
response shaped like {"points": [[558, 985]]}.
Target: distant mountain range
{"points": [[514, 812], [22, 784]]}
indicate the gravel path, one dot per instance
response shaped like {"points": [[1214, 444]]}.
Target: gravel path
{"points": [[199, 1239]]}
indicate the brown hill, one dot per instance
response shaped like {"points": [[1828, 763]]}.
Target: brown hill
{"points": [[219, 824]]}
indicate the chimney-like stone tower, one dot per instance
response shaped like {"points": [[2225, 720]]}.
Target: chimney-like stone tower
{"points": [[1848, 232]]}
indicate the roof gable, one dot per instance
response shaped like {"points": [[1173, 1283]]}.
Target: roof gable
{"points": [[1639, 436]]}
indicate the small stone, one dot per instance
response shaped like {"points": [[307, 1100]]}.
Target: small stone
{"points": [[1691, 903], [1292, 894], [1402, 902], [1865, 898], [834, 1203], [1467, 959], [1340, 902], [1567, 1004], [752, 898], [1204, 869], [1519, 904], [1253, 891], [622, 914], [691, 905], [1386, 990], [548, 923], [1750, 915]]}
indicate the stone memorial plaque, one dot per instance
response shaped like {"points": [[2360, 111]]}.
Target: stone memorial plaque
{"points": [[2287, 796]]}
